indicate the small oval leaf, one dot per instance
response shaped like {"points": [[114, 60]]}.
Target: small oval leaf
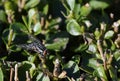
{"points": [[31, 13], [3, 17], [73, 28], [85, 10], [109, 34], [100, 72], [95, 4], [71, 3], [37, 28], [31, 3], [72, 69], [42, 77]]}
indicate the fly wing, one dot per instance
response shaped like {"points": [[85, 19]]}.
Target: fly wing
{"points": [[25, 46]]}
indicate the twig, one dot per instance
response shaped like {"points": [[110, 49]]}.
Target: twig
{"points": [[11, 73], [28, 76], [16, 73], [62, 74], [56, 70], [21, 4], [101, 54], [44, 67]]}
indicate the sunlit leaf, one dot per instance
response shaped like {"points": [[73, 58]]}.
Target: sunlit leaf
{"points": [[3, 17], [58, 45], [9, 6], [31, 3], [77, 10], [117, 55], [72, 69], [58, 41], [31, 13], [42, 77], [95, 4], [45, 10], [100, 72], [71, 4], [85, 10], [1, 75], [92, 63], [92, 49], [109, 34], [74, 28], [37, 28], [82, 47]]}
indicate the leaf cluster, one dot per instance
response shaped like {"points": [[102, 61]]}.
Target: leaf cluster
{"points": [[79, 39]]}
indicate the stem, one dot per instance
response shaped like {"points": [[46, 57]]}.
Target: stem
{"points": [[28, 76], [16, 73], [56, 70], [101, 54], [11, 74], [44, 67]]}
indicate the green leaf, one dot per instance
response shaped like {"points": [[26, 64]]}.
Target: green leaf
{"points": [[10, 36], [9, 6], [37, 28], [13, 48], [71, 4], [31, 13], [92, 63], [117, 58], [58, 41], [58, 45], [92, 49], [85, 10], [42, 77], [95, 4], [72, 69], [26, 66], [117, 55], [18, 28], [76, 59], [5, 36], [74, 28], [87, 63], [97, 33], [3, 17], [31, 4], [100, 72], [109, 34], [113, 73], [81, 48], [1, 75], [45, 9], [25, 21], [76, 11]]}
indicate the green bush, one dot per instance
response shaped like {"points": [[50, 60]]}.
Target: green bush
{"points": [[57, 40]]}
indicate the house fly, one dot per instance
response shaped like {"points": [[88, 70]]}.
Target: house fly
{"points": [[36, 45]]}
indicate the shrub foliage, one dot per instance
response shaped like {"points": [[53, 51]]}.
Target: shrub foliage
{"points": [[57, 40]]}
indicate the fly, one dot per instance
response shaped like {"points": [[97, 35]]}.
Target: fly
{"points": [[35, 45]]}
